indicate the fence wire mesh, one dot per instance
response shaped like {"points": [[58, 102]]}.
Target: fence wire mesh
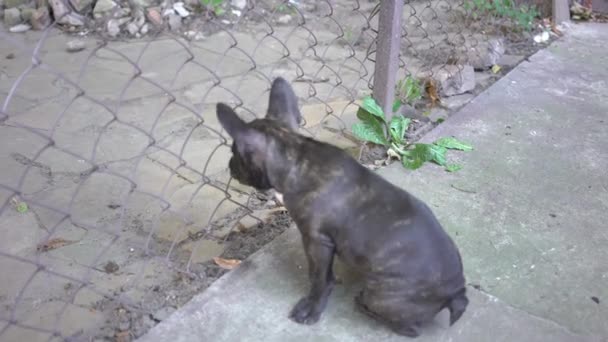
{"points": [[114, 190]]}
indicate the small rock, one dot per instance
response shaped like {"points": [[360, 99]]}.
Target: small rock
{"points": [[111, 267], [541, 38], [75, 45], [10, 56], [41, 18], [457, 101], [484, 58], [193, 35], [168, 11], [163, 313], [20, 28], [144, 29], [123, 21], [189, 34], [103, 6], [455, 79], [27, 14], [153, 15], [12, 17], [179, 8], [113, 27], [132, 28], [167, 4], [175, 22], [240, 4], [144, 3], [284, 19], [122, 12], [510, 60], [139, 18], [580, 12], [14, 3], [65, 16], [82, 6]]}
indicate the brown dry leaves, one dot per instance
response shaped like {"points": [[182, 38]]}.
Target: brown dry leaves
{"points": [[53, 244], [226, 264], [430, 88], [263, 215]]}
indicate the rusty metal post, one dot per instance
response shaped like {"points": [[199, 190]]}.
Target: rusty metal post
{"points": [[387, 53], [561, 12]]}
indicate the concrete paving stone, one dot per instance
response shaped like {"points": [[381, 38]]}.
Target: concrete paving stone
{"points": [[527, 207], [252, 303], [198, 205], [20, 273], [45, 315], [15, 333], [316, 113], [203, 250]]}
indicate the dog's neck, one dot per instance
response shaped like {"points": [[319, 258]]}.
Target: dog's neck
{"points": [[281, 171], [288, 171]]}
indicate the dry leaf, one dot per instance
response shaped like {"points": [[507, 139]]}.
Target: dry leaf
{"points": [[256, 216], [53, 244], [555, 30], [123, 336], [432, 93], [392, 154], [226, 264]]}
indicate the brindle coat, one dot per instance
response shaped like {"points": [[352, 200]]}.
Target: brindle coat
{"points": [[412, 268]]}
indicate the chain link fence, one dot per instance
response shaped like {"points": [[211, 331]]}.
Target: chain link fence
{"points": [[114, 191]]}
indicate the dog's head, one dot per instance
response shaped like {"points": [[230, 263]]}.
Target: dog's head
{"points": [[258, 143]]}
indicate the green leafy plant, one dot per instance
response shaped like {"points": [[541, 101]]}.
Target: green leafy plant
{"points": [[408, 91], [284, 8], [374, 127], [523, 16], [214, 6], [22, 207]]}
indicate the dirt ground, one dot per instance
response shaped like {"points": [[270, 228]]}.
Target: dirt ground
{"points": [[128, 206]]}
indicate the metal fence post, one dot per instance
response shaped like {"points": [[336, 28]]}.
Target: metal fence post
{"points": [[561, 12], [387, 53]]}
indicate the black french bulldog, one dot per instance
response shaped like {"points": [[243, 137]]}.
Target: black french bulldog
{"points": [[412, 268]]}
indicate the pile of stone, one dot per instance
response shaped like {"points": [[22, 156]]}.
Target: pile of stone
{"points": [[113, 18]]}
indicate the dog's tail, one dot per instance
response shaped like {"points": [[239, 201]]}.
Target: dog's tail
{"points": [[457, 305]]}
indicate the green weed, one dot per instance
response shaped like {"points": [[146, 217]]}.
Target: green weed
{"points": [[214, 6], [373, 127], [523, 16]]}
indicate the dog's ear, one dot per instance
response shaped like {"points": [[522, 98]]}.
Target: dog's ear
{"points": [[230, 121], [283, 104], [247, 139]]}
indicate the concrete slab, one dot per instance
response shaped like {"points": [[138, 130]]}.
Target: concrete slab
{"points": [[251, 303], [527, 211]]}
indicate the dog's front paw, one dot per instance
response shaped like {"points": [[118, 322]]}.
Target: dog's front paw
{"points": [[305, 312]]}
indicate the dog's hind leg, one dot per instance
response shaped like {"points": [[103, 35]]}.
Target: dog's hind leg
{"points": [[403, 327]]}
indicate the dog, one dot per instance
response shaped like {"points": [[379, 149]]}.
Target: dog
{"points": [[411, 267]]}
